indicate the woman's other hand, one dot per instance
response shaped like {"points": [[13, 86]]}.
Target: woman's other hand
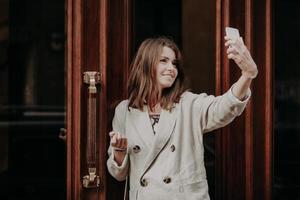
{"points": [[238, 52], [119, 146]]}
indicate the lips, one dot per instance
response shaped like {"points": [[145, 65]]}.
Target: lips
{"points": [[169, 75]]}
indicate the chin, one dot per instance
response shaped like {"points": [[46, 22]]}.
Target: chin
{"points": [[166, 83], [164, 86]]}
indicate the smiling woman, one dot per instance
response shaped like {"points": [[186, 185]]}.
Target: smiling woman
{"points": [[170, 160]]}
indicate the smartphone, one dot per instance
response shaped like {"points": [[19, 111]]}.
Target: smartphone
{"points": [[232, 32]]}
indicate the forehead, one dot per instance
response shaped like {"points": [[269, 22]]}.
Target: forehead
{"points": [[168, 52]]}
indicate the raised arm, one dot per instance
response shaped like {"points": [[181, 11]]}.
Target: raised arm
{"points": [[238, 52]]}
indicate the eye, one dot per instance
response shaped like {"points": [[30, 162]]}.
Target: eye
{"points": [[175, 63], [163, 60]]}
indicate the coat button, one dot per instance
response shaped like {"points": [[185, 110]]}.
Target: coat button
{"points": [[136, 149], [167, 179], [144, 182], [173, 148]]}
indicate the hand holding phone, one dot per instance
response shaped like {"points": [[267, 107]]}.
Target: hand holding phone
{"points": [[238, 52]]}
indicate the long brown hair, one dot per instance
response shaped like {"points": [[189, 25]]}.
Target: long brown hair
{"points": [[142, 84]]}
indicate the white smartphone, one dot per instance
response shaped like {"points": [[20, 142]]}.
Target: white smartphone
{"points": [[232, 32]]}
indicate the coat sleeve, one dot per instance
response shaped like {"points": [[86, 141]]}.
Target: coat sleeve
{"points": [[118, 172], [216, 112]]}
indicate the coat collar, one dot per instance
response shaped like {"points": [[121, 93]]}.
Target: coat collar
{"points": [[155, 143], [141, 122]]}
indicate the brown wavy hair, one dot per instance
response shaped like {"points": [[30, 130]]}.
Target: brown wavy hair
{"points": [[142, 84]]}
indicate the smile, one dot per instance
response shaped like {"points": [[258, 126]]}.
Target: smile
{"points": [[169, 75]]}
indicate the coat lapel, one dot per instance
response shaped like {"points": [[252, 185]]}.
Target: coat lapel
{"points": [[141, 121], [165, 129]]}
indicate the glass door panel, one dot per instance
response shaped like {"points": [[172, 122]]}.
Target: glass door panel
{"points": [[32, 100]]}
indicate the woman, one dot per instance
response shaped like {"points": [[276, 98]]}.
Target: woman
{"points": [[157, 137]]}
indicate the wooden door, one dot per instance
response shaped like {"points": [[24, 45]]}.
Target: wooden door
{"points": [[97, 41]]}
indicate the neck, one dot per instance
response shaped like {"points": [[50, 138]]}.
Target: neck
{"points": [[156, 109]]}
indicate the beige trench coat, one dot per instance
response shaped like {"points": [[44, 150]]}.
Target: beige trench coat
{"points": [[170, 164]]}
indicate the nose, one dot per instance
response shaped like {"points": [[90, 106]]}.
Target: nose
{"points": [[171, 66]]}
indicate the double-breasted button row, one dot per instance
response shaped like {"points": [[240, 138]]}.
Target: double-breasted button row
{"points": [[136, 149], [167, 180], [144, 182]]}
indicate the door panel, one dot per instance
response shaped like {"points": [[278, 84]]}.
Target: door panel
{"points": [[90, 49], [83, 46]]}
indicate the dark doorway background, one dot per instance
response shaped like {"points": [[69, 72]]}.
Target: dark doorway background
{"points": [[32, 100], [286, 159], [156, 18]]}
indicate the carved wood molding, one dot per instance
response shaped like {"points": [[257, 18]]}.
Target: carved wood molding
{"points": [[73, 64]]}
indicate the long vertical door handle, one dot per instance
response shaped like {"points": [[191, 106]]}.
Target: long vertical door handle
{"points": [[91, 180]]}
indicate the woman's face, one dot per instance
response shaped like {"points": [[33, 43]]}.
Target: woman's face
{"points": [[166, 71]]}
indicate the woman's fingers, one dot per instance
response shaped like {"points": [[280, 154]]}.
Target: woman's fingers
{"points": [[236, 49], [238, 43], [113, 137], [118, 136], [230, 56], [232, 50], [230, 43], [238, 52], [117, 141], [113, 141], [112, 133], [124, 143]]}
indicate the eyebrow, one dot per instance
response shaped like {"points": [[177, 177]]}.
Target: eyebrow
{"points": [[165, 57]]}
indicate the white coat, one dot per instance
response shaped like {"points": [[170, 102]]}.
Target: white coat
{"points": [[170, 164]]}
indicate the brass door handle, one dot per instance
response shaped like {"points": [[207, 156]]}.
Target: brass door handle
{"points": [[91, 180]]}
